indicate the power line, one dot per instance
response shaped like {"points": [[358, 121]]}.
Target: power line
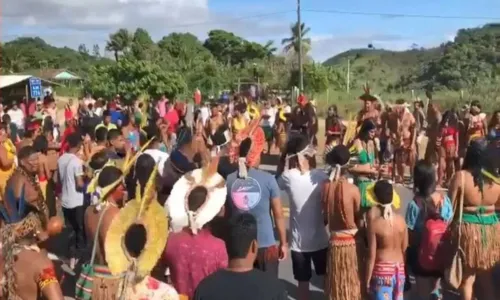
{"points": [[230, 20], [400, 15]]}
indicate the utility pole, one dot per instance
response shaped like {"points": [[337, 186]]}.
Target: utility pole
{"points": [[348, 87], [299, 30]]}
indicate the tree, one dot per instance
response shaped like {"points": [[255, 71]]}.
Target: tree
{"points": [[96, 50], [142, 45], [270, 48], [132, 78], [83, 49], [292, 43], [119, 42]]}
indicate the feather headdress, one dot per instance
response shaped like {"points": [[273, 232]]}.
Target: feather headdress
{"points": [[99, 194], [367, 96], [145, 210], [177, 203]]}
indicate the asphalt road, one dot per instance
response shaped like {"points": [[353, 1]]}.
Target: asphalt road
{"points": [[285, 269]]}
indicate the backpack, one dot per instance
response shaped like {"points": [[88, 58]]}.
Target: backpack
{"points": [[429, 254]]}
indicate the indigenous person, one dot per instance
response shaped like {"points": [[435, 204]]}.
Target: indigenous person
{"points": [[215, 121], [427, 203], [479, 241], [134, 242], [27, 272], [366, 170], [281, 127], [333, 127], [182, 160], [304, 119], [192, 252], [476, 123], [240, 280], [403, 135], [131, 131], [447, 143], [494, 134], [98, 218], [101, 140], [24, 181], [433, 120], [369, 110], [387, 243], [341, 210], [309, 241], [255, 191], [7, 158], [41, 146]]}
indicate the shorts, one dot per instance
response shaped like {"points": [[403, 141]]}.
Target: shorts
{"points": [[301, 264]]}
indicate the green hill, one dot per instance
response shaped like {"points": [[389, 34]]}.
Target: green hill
{"points": [[471, 62], [383, 69], [27, 53]]}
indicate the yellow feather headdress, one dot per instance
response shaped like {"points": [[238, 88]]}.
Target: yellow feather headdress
{"points": [[129, 161], [143, 210]]}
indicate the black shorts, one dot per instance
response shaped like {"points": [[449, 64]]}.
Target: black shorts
{"points": [[301, 264]]}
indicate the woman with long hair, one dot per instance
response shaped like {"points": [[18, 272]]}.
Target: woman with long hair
{"points": [[366, 150], [477, 234], [427, 202], [447, 143]]}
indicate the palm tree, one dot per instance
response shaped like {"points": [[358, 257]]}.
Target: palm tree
{"points": [[119, 42], [270, 49], [292, 43]]}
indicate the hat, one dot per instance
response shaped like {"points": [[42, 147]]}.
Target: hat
{"points": [[366, 95], [258, 140], [177, 203], [372, 199], [143, 210]]}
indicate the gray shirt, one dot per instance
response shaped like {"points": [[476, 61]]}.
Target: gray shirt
{"points": [[189, 113], [70, 167]]}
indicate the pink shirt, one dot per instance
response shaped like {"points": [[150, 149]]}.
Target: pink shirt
{"points": [[162, 107], [191, 258]]}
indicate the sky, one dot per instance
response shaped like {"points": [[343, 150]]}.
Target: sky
{"points": [[336, 26]]}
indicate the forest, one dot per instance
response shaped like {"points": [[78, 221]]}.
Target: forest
{"points": [[136, 65]]}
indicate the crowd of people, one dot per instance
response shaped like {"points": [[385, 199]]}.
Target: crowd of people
{"points": [[166, 200]]}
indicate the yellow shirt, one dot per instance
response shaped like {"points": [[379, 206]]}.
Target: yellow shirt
{"points": [[109, 127], [6, 173]]}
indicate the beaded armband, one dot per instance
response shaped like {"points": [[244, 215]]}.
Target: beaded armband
{"points": [[46, 277]]}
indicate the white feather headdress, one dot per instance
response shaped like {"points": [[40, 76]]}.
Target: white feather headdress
{"points": [[177, 203]]}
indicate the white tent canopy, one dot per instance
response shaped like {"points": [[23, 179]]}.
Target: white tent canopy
{"points": [[8, 80]]}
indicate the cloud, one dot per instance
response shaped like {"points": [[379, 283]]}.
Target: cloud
{"points": [[72, 22]]}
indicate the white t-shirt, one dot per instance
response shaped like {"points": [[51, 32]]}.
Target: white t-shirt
{"points": [[70, 166], [205, 114], [16, 117], [306, 218], [159, 156], [271, 112]]}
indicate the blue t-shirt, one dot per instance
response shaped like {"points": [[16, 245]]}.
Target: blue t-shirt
{"points": [[115, 116], [415, 218], [253, 195]]}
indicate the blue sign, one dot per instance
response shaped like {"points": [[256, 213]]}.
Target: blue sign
{"points": [[35, 88]]}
